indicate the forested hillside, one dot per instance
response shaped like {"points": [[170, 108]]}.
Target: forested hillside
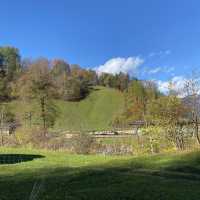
{"points": [[40, 97]]}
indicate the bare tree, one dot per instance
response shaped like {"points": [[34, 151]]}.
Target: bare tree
{"points": [[192, 91]]}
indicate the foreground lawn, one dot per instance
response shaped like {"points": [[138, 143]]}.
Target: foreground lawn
{"points": [[56, 175]]}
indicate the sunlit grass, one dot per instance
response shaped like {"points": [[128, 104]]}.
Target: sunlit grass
{"points": [[95, 112], [166, 176]]}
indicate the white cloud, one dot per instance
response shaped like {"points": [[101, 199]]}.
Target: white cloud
{"points": [[160, 53], [163, 86], [177, 82], [169, 69], [155, 70], [116, 65]]}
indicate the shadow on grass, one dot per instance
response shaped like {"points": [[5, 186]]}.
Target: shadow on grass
{"points": [[96, 184], [17, 158], [110, 181]]}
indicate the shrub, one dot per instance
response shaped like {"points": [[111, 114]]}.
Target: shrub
{"points": [[9, 141], [82, 143], [75, 89], [23, 135], [115, 149], [58, 143]]}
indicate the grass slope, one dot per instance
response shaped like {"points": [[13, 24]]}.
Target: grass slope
{"points": [[76, 177], [95, 112]]}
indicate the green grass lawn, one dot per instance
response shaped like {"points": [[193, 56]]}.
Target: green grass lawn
{"points": [[95, 112], [63, 176]]}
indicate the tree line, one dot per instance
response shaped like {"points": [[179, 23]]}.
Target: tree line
{"points": [[41, 81], [72, 81], [174, 116]]}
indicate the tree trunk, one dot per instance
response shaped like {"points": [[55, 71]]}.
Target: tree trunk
{"points": [[138, 137], [43, 115], [197, 130], [2, 125], [2, 140], [151, 144]]}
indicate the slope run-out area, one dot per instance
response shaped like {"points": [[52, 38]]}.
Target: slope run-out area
{"points": [[95, 112]]}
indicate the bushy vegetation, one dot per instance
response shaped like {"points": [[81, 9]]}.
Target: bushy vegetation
{"points": [[45, 85], [51, 98], [42, 100]]}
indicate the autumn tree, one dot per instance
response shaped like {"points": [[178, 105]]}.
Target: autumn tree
{"points": [[122, 81], [7, 120], [151, 90], [137, 96], [75, 89], [118, 81], [78, 83], [37, 85], [60, 71], [106, 79], [60, 67], [135, 100], [169, 112]]}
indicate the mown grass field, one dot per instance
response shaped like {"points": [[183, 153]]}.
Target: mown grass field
{"points": [[62, 176], [95, 112]]}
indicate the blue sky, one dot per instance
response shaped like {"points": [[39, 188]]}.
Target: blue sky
{"points": [[155, 39]]}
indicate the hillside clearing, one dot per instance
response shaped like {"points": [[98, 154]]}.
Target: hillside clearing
{"points": [[95, 112]]}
